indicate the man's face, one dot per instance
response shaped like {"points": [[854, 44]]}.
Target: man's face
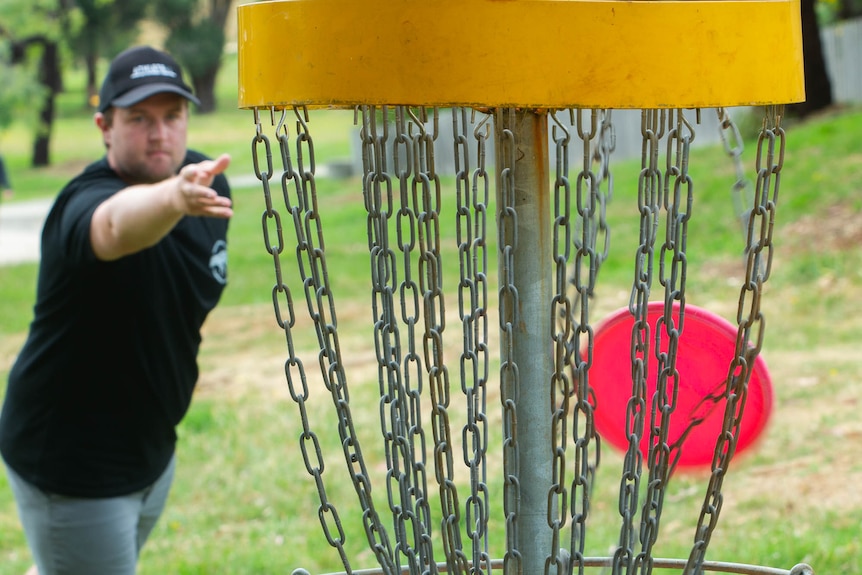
{"points": [[146, 142]]}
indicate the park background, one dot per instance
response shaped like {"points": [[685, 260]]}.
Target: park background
{"points": [[242, 502]]}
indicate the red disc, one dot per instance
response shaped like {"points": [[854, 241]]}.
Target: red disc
{"points": [[705, 351]]}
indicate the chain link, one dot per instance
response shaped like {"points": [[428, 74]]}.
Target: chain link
{"points": [[740, 192], [573, 330], [507, 242], [402, 195], [649, 194], [399, 374], [561, 385], [750, 320], [742, 198], [471, 238], [300, 202], [425, 195], [672, 275]]}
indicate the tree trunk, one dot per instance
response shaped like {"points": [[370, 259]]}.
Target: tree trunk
{"points": [[92, 58], [818, 88], [50, 77], [204, 87], [848, 9], [205, 84]]}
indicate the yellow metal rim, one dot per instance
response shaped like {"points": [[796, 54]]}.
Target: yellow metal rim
{"points": [[520, 53]]}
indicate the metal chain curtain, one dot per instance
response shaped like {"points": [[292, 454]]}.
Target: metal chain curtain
{"points": [[437, 511]]}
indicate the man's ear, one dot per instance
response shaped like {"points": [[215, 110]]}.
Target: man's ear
{"points": [[104, 126]]}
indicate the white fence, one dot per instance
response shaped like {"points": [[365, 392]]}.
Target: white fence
{"points": [[842, 47]]}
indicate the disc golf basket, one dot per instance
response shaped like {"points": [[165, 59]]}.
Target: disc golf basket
{"points": [[525, 85]]}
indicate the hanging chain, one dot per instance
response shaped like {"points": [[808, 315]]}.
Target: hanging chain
{"points": [[400, 375], [300, 199], [471, 237], [750, 320], [409, 320], [602, 153], [561, 385], [573, 325], [649, 194], [425, 196], [507, 226], [672, 275], [731, 139]]}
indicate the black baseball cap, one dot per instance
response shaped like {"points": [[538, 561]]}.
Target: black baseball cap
{"points": [[138, 73]]}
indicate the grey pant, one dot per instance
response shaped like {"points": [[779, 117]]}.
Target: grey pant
{"points": [[77, 536]]}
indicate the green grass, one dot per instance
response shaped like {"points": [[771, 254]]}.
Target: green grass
{"points": [[242, 502]]}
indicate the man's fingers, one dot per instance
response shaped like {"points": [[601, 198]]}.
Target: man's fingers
{"points": [[205, 170], [197, 195], [221, 163], [214, 167]]}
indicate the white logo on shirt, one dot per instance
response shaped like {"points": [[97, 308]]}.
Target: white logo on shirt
{"points": [[218, 261], [147, 70]]}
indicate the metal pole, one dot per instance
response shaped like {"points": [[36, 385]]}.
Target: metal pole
{"points": [[523, 183]]}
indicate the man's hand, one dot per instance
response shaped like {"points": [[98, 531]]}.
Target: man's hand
{"points": [[195, 196], [139, 216]]}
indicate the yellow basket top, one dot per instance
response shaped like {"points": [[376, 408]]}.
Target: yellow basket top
{"points": [[520, 53]]}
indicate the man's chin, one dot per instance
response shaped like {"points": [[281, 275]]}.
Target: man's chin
{"points": [[146, 177], [154, 174]]}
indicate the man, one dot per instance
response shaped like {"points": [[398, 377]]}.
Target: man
{"points": [[133, 260], [5, 184]]}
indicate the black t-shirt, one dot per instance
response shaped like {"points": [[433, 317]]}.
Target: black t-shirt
{"points": [[110, 361]]}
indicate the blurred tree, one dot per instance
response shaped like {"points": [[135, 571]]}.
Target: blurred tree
{"points": [[196, 38], [37, 37], [20, 88], [848, 9], [32, 32], [107, 27]]}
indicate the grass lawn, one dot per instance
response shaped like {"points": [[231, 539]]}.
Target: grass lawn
{"points": [[243, 503]]}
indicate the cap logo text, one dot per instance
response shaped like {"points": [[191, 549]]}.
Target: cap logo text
{"points": [[147, 70]]}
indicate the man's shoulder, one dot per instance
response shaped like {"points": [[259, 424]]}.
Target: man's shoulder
{"points": [[194, 156], [98, 170], [97, 175]]}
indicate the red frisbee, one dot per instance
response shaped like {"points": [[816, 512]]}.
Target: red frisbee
{"points": [[706, 350]]}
